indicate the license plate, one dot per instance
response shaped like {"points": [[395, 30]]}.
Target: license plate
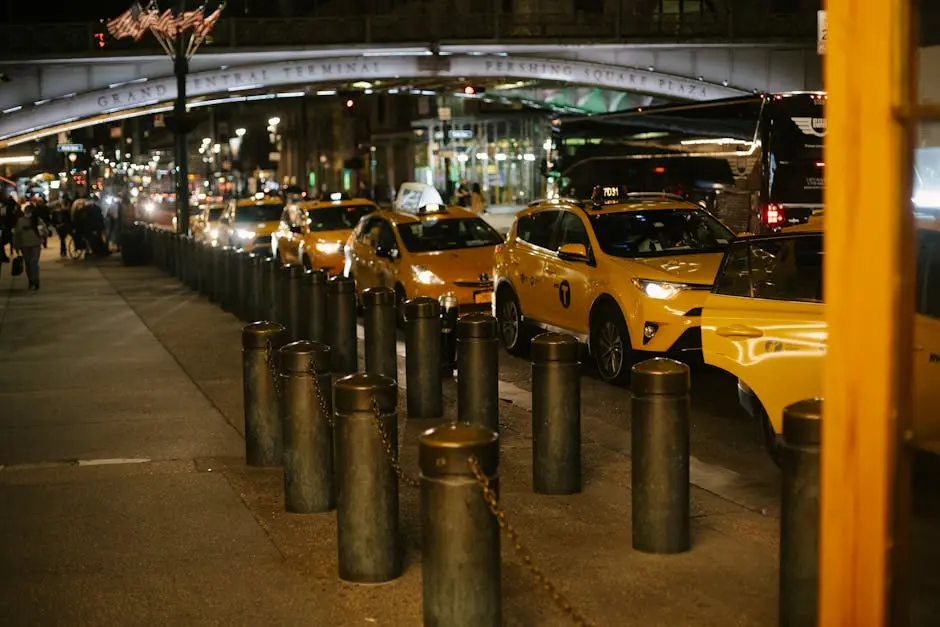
{"points": [[483, 297]]}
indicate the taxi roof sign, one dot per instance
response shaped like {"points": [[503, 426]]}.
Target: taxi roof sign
{"points": [[418, 198], [609, 195]]}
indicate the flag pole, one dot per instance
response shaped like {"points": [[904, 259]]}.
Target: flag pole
{"points": [[181, 69]]}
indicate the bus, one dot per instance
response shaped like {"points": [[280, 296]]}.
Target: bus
{"points": [[756, 161]]}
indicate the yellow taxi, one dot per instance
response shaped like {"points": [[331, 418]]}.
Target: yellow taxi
{"points": [[625, 273], [425, 250], [249, 222], [314, 232], [206, 226], [764, 322]]}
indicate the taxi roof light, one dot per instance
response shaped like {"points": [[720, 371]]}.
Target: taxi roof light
{"points": [[336, 196]]}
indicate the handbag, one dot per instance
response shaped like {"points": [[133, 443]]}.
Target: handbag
{"points": [[16, 269]]}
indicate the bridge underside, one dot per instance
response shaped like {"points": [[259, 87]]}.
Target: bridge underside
{"points": [[42, 98]]}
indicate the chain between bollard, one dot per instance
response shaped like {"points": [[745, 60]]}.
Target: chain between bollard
{"points": [[315, 376], [510, 532], [271, 360], [390, 449]]}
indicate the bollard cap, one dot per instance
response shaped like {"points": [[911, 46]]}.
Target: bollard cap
{"points": [[548, 347], [316, 277], [303, 357], [254, 259], [446, 450], [476, 325], [660, 376], [262, 334], [802, 422], [355, 392], [341, 285], [422, 307], [292, 271], [378, 297]]}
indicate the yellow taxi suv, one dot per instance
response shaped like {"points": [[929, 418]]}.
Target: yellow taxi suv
{"points": [[249, 223], [764, 323], [625, 273], [314, 233], [208, 221], [428, 250]]}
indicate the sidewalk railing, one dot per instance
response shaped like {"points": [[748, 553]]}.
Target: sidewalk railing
{"points": [[750, 24]]}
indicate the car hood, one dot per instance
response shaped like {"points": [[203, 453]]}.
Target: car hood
{"points": [[461, 265], [698, 268]]}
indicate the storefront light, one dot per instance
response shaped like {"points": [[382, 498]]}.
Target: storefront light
{"points": [[482, 156], [528, 156], [462, 158], [500, 156]]}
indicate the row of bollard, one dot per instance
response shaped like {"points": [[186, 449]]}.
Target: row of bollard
{"points": [[338, 442]]}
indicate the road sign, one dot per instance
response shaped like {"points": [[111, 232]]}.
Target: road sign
{"points": [[443, 113], [822, 31], [70, 148]]}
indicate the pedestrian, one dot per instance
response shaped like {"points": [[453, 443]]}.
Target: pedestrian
{"points": [[62, 220], [7, 216], [476, 199], [27, 238]]}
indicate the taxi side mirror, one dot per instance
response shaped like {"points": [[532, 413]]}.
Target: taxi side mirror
{"points": [[573, 252]]}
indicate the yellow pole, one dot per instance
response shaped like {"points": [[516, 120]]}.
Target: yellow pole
{"points": [[869, 309]]}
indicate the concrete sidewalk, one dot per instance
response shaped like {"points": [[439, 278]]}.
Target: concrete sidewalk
{"points": [[109, 363]]}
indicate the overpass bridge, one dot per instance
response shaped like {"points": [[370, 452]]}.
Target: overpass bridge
{"points": [[57, 80]]}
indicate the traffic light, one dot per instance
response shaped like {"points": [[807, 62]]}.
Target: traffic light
{"points": [[99, 39], [472, 90], [350, 103]]}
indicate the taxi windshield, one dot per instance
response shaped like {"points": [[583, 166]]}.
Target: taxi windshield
{"points": [[659, 232], [337, 217], [431, 235], [259, 213]]}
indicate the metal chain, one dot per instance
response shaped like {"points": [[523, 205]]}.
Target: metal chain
{"points": [[315, 375], [390, 448], [271, 359], [507, 528]]}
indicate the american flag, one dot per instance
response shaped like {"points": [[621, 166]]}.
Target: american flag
{"points": [[124, 25], [208, 23], [166, 24], [189, 19]]}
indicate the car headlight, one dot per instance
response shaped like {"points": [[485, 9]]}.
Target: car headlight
{"points": [[214, 233], [660, 290], [149, 207], [244, 234], [424, 276], [329, 248]]}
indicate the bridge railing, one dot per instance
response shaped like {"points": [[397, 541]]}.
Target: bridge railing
{"points": [[745, 25]]}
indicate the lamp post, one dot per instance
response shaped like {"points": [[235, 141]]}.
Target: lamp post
{"points": [[180, 36]]}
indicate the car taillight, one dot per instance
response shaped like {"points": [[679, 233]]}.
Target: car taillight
{"points": [[772, 215]]}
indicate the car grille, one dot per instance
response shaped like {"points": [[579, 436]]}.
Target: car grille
{"points": [[479, 285]]}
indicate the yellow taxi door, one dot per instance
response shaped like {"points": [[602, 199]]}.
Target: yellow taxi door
{"points": [[534, 246], [764, 321], [363, 255], [927, 341], [568, 299]]}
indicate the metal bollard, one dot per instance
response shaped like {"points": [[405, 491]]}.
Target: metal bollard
{"points": [[379, 320], [341, 322], [660, 456], [306, 399], [368, 542], [425, 391], [315, 284], [269, 290], [291, 276], [202, 268], [189, 262], [460, 563], [449, 310], [478, 371], [178, 256], [185, 265], [263, 432], [240, 302], [556, 414], [218, 275], [224, 278], [255, 281], [799, 514], [231, 289]]}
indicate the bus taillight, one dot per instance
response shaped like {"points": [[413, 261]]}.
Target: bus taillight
{"points": [[772, 215]]}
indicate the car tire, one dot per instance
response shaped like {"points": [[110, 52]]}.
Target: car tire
{"points": [[514, 334], [610, 345], [305, 261], [769, 437]]}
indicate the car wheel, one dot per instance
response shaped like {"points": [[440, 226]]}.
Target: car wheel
{"points": [[400, 298], [610, 346], [513, 332]]}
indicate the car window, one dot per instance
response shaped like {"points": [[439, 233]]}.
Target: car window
{"points": [[366, 229], [538, 229], [571, 230], [386, 236], [659, 232], [733, 279], [774, 269], [451, 234], [261, 212], [928, 274], [337, 217]]}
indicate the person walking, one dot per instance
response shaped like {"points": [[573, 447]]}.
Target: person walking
{"points": [[476, 199], [27, 238]]}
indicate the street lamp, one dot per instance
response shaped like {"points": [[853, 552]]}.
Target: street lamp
{"points": [[180, 36], [241, 132], [273, 122]]}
